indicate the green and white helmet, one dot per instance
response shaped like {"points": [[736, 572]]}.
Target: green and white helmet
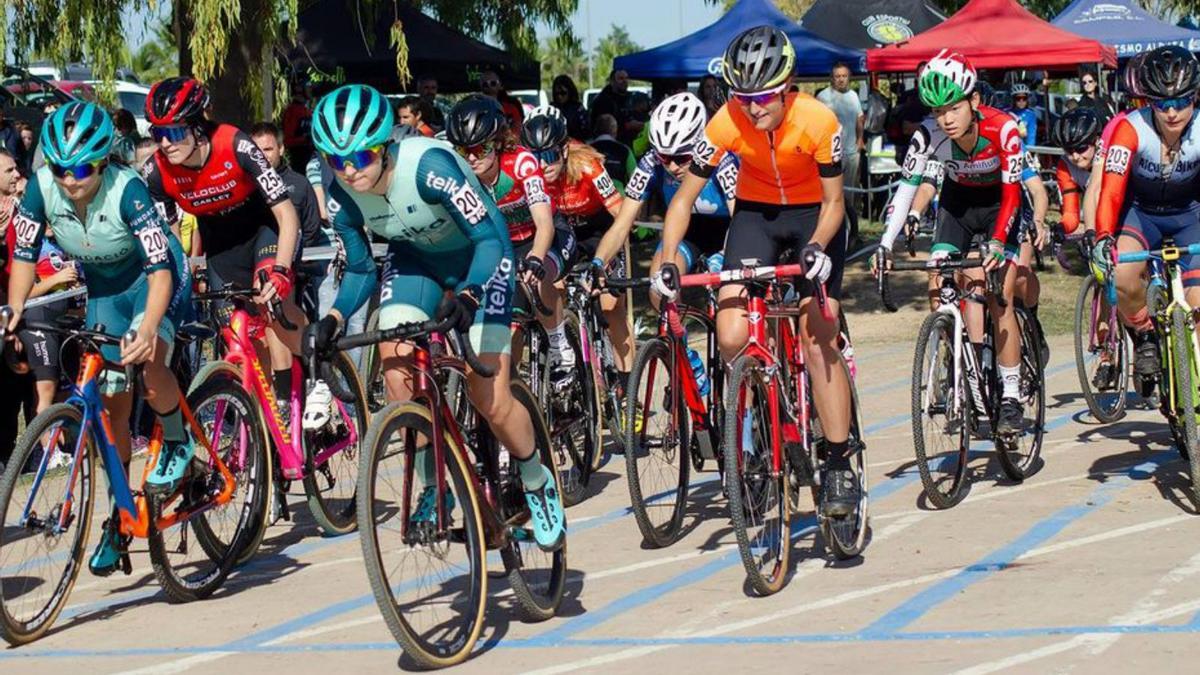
{"points": [[78, 133], [351, 118], [947, 79]]}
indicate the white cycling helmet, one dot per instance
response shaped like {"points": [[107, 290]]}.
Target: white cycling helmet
{"points": [[677, 124], [1020, 89], [546, 111]]}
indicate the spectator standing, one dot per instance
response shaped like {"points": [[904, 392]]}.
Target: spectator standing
{"points": [[269, 138], [711, 94], [15, 390], [10, 141], [427, 89], [413, 111], [492, 87], [124, 149], [1027, 121], [613, 100], [845, 104], [618, 158], [297, 129], [1093, 98], [564, 95]]}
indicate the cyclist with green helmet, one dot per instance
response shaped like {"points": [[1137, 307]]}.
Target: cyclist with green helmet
{"points": [[975, 152], [449, 256], [134, 268]]}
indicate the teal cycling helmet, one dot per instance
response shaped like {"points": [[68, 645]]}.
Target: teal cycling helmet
{"points": [[351, 118], [78, 133]]}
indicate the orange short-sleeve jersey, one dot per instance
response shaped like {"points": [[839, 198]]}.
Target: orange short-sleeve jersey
{"points": [[784, 166]]}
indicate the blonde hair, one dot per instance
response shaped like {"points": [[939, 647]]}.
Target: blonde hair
{"points": [[579, 157]]}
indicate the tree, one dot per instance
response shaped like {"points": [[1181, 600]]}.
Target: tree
{"points": [[1168, 10], [794, 9], [560, 55], [616, 43], [158, 57], [232, 44]]}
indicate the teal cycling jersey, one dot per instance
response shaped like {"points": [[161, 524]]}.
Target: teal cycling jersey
{"points": [[435, 210], [121, 236]]}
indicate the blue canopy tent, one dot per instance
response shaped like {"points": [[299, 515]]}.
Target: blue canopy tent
{"points": [[694, 56], [1123, 24]]}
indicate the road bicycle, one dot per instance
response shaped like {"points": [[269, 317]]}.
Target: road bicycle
{"points": [[599, 355], [773, 443], [194, 534], [324, 460], [955, 389], [428, 567]]}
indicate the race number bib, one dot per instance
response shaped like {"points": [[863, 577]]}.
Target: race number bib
{"points": [[154, 243], [1117, 160], [469, 204]]}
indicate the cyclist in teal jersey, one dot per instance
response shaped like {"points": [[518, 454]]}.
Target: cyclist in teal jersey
{"points": [[134, 269], [449, 257]]}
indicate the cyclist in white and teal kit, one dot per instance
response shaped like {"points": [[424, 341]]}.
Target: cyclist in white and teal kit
{"points": [[134, 268], [449, 256]]}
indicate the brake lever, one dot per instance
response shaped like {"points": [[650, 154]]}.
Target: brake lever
{"points": [[275, 307]]}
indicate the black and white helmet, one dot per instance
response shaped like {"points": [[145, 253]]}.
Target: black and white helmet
{"points": [[1020, 89], [677, 124]]}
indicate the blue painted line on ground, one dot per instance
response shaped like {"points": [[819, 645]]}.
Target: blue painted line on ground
{"points": [[925, 601]]}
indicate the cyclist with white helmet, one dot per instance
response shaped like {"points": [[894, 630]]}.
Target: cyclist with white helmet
{"points": [[1027, 121], [978, 149]]}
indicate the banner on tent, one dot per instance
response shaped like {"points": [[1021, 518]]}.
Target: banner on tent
{"points": [[887, 29]]}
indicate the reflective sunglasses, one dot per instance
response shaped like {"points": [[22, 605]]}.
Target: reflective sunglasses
{"points": [[761, 98], [78, 172], [679, 159], [489, 83], [1178, 103], [1079, 149], [1089, 82], [359, 160], [480, 150], [549, 156], [172, 134]]}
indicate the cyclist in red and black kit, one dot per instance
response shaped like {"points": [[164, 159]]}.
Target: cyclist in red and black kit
{"points": [[246, 221], [583, 192]]}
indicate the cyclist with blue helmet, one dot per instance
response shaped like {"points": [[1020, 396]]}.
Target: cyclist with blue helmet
{"points": [[134, 268], [449, 257]]}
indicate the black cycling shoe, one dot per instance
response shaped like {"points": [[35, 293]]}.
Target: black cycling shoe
{"points": [[1105, 377], [1145, 353], [839, 493], [1012, 416]]}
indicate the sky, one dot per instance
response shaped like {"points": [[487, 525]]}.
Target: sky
{"points": [[649, 22]]}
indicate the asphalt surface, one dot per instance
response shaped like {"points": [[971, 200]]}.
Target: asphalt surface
{"points": [[1084, 567]]}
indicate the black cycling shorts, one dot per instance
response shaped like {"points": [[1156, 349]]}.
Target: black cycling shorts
{"points": [[562, 254], [705, 236], [968, 214], [761, 232], [587, 240], [42, 347]]}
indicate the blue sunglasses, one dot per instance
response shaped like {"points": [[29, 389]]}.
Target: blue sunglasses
{"points": [[360, 159], [549, 156], [78, 172], [1178, 103], [171, 134]]}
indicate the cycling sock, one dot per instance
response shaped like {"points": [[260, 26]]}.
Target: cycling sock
{"points": [[425, 466], [172, 425], [837, 455], [532, 475], [1010, 377], [1140, 321], [283, 384]]}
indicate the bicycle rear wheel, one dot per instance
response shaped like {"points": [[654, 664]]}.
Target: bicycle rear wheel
{"points": [[573, 418], [940, 412], [38, 566], [537, 577], [1020, 455], [758, 495], [332, 485], [656, 458], [429, 582], [1183, 365], [1101, 354], [847, 536], [229, 419]]}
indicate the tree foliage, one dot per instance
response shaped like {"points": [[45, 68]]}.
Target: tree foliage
{"points": [[616, 43], [1168, 10]]}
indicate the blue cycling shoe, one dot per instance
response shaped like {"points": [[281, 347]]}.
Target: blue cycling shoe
{"points": [[106, 556], [548, 520], [426, 512], [173, 461]]}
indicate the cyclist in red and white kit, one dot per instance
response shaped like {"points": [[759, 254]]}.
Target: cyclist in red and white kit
{"points": [[1150, 190], [246, 221]]}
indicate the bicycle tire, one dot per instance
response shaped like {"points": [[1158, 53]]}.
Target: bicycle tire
{"points": [[847, 537], [1184, 367], [537, 599], [573, 431], [936, 338], [17, 630], [255, 474], [338, 516], [1085, 304], [594, 453], [748, 371], [657, 532], [422, 646], [1019, 457]]}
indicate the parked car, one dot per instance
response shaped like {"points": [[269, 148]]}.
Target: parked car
{"points": [[132, 97]]}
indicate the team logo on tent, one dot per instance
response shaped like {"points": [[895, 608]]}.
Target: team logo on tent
{"points": [[887, 29], [714, 66]]}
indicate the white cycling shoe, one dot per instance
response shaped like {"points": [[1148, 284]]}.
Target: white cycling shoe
{"points": [[317, 406]]}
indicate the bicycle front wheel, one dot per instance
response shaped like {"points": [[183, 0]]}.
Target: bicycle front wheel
{"points": [[332, 485], [429, 578], [1020, 455], [1183, 367], [39, 559], [656, 459], [758, 495], [940, 412], [1101, 354], [847, 536]]}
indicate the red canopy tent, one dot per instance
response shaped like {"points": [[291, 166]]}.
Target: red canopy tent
{"points": [[994, 34]]}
